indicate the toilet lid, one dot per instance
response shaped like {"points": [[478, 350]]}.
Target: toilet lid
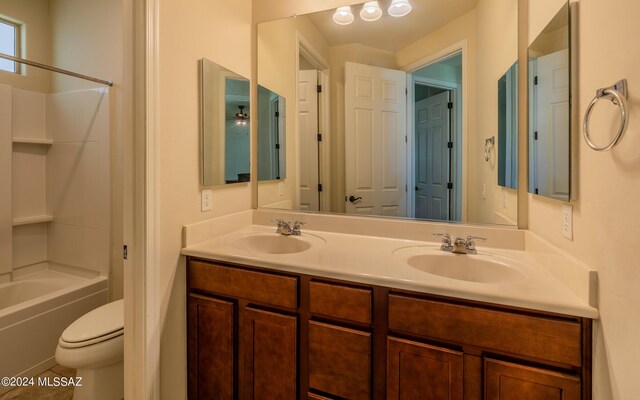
{"points": [[100, 324]]}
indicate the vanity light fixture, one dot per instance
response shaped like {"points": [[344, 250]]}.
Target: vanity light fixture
{"points": [[241, 117], [343, 16], [399, 8], [371, 11]]}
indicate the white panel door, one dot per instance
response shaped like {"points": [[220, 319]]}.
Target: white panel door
{"points": [[308, 140], [433, 126], [553, 125], [375, 140]]}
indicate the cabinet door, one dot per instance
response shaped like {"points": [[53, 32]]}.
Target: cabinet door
{"points": [[417, 371], [210, 348], [508, 381], [340, 361], [269, 345]]}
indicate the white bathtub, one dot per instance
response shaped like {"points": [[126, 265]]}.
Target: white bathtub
{"points": [[34, 310]]}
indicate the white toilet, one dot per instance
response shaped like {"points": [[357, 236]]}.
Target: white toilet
{"points": [[94, 345]]}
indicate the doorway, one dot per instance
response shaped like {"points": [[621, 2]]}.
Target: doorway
{"points": [[436, 166]]}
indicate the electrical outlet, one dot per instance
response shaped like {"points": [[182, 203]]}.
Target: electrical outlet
{"points": [[567, 221], [505, 203], [206, 200], [484, 191], [281, 188]]}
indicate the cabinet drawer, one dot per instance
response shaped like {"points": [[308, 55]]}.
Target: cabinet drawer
{"points": [[340, 361], [337, 301], [544, 338], [277, 290], [509, 381]]}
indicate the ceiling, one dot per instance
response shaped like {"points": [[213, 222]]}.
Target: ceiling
{"points": [[389, 33]]}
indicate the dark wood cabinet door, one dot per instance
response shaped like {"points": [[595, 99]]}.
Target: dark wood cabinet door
{"points": [[210, 348], [270, 355], [340, 361], [417, 371], [508, 381]]}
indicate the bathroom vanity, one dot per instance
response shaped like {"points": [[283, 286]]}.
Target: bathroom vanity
{"points": [[266, 321]]}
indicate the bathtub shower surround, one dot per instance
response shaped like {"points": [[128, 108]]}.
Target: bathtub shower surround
{"points": [[54, 217]]}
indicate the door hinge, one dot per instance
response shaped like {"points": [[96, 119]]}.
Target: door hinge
{"points": [[125, 252], [450, 145], [319, 137], [535, 135], [535, 80], [405, 138], [406, 91], [277, 114], [319, 88], [450, 185], [450, 105], [277, 146], [319, 187], [536, 190]]}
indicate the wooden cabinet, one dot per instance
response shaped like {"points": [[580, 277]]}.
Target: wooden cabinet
{"points": [[340, 361], [260, 334], [417, 371], [270, 354], [211, 355], [509, 381]]}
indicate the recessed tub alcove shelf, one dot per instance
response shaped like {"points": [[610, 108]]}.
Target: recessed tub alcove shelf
{"points": [[36, 219], [46, 142]]}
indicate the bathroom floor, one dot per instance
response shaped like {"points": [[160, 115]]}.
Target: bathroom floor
{"points": [[44, 393]]}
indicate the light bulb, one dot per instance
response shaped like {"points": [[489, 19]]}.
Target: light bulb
{"points": [[371, 11], [343, 16], [399, 8]]}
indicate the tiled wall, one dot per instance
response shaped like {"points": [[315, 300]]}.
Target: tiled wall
{"points": [[79, 177], [68, 179]]}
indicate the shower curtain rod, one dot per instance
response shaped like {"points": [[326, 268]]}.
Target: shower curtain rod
{"points": [[54, 69]]}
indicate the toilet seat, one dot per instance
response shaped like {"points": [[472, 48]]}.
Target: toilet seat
{"points": [[102, 324]]}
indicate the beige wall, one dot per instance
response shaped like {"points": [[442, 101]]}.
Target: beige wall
{"points": [[34, 14], [189, 30], [277, 71], [497, 50], [606, 229], [87, 37]]}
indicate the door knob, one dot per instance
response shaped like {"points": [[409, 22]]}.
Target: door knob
{"points": [[353, 199]]}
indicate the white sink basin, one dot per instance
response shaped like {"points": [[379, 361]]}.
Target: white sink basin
{"points": [[481, 268], [273, 243]]}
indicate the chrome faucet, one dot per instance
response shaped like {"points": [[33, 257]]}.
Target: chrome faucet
{"points": [[446, 242], [468, 246], [287, 228]]}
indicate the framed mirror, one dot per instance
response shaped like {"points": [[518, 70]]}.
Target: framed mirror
{"points": [[508, 128], [272, 135], [224, 126], [550, 109], [390, 116]]}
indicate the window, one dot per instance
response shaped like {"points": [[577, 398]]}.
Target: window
{"points": [[9, 39]]}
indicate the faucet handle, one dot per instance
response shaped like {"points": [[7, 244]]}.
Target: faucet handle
{"points": [[446, 241], [295, 227], [471, 244]]}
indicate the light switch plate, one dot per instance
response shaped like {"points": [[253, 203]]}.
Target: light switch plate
{"points": [[206, 200], [567, 221]]}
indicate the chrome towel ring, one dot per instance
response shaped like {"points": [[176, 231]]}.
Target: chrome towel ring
{"points": [[618, 96]]}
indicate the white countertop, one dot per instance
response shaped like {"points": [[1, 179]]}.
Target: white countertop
{"points": [[371, 260]]}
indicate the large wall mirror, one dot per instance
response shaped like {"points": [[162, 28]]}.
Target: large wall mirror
{"points": [[224, 125], [550, 108], [394, 115]]}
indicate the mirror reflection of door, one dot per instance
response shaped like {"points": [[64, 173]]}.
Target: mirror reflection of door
{"points": [[437, 140], [551, 93], [432, 158], [308, 138], [375, 140]]}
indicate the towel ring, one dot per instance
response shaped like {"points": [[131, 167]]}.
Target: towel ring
{"points": [[618, 96]]}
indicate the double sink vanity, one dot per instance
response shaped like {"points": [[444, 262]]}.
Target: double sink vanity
{"points": [[334, 314]]}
